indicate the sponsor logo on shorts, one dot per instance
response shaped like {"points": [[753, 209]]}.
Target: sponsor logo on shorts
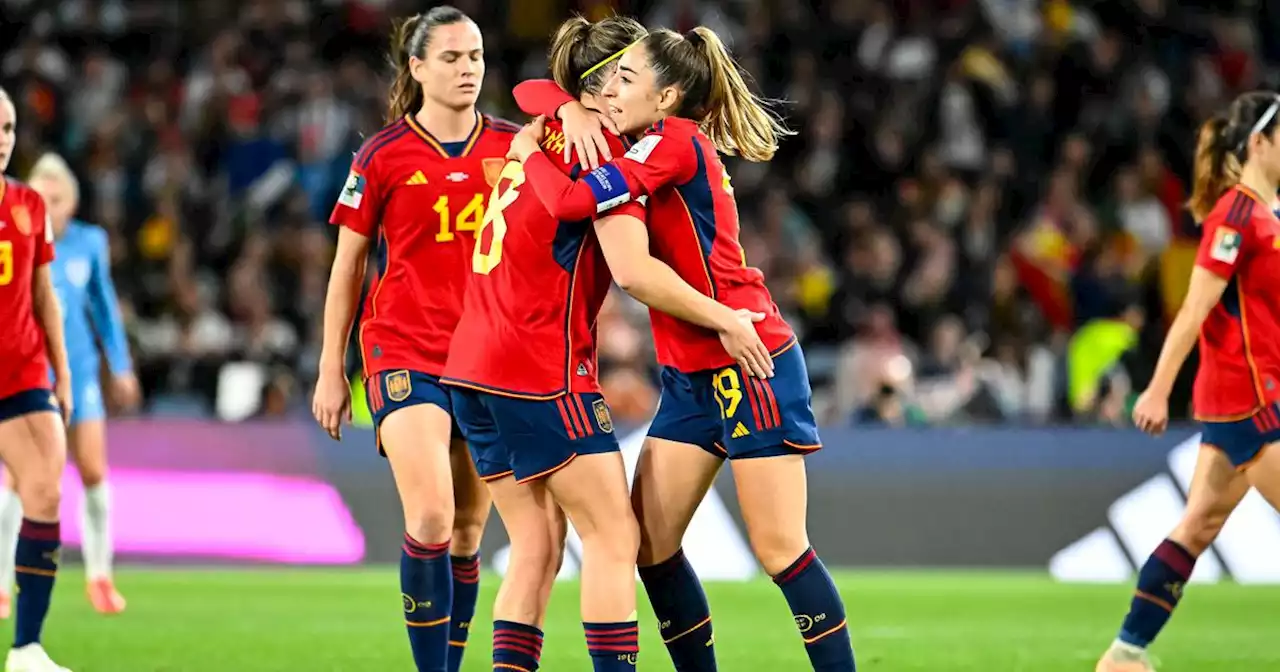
{"points": [[398, 385]]}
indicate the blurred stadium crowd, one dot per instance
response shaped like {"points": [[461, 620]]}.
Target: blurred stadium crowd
{"points": [[980, 220]]}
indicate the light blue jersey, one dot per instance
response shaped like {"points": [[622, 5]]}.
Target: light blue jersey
{"points": [[90, 313]]}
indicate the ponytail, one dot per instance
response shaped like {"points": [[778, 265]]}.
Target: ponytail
{"points": [[1217, 168], [560, 58], [738, 121], [406, 93], [409, 39]]}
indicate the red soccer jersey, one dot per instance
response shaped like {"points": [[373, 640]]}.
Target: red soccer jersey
{"points": [[26, 243], [693, 227], [528, 328], [425, 206], [1240, 339]]}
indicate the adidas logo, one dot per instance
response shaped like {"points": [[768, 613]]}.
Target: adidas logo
{"points": [[1136, 523], [739, 431], [417, 179]]}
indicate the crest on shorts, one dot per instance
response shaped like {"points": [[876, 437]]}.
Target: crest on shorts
{"points": [[492, 169], [603, 419], [21, 219], [398, 385]]}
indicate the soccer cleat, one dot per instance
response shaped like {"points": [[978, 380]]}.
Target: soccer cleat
{"points": [[6, 605], [1125, 658], [104, 597], [31, 658]]}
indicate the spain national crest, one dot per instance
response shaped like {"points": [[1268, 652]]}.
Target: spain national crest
{"points": [[398, 385], [603, 419], [21, 219], [492, 169]]}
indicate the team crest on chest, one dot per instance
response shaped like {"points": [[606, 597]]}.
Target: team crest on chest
{"points": [[603, 419], [78, 272], [492, 169], [21, 219], [398, 385]]}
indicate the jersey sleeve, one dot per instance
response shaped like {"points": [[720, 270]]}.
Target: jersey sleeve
{"points": [[1221, 243], [360, 201], [104, 308], [655, 162], [43, 233], [540, 97]]}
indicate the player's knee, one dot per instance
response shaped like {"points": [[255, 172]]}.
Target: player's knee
{"points": [[41, 494], [430, 524], [777, 549], [656, 544], [1197, 531], [92, 474], [468, 530]]}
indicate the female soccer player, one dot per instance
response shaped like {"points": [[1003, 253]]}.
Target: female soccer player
{"points": [[82, 275], [1233, 308], [32, 417], [678, 86], [524, 365], [419, 188]]}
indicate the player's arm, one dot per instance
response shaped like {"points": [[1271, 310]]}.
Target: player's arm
{"points": [[584, 129], [625, 243], [648, 166], [49, 315], [346, 279], [104, 310], [1215, 264]]}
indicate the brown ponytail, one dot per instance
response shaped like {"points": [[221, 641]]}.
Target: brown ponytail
{"points": [[409, 39], [581, 51], [1216, 167], [715, 93]]}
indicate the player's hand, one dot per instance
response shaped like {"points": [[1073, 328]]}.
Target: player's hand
{"points": [[62, 392], [126, 393], [331, 404], [1151, 412], [741, 341], [527, 141], [584, 135]]}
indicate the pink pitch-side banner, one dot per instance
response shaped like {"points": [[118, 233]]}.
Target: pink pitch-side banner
{"points": [[232, 492]]}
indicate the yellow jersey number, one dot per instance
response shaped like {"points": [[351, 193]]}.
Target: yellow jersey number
{"points": [[6, 262], [728, 392], [505, 192], [468, 219]]}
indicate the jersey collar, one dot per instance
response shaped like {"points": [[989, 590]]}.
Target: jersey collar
{"points": [[435, 144]]}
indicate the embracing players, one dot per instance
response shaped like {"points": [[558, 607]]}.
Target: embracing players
{"points": [[32, 417], [525, 369], [689, 94], [418, 189], [1233, 307], [82, 276]]}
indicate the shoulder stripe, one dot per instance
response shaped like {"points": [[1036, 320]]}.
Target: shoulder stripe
{"points": [[499, 124], [1241, 210], [377, 142]]}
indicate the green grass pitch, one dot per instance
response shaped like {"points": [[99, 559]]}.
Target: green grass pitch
{"points": [[349, 620]]}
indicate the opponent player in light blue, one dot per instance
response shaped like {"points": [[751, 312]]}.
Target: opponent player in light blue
{"points": [[91, 315]]}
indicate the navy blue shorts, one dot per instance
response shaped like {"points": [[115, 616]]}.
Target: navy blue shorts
{"points": [[1243, 440], [729, 413], [531, 438], [27, 402], [389, 391]]}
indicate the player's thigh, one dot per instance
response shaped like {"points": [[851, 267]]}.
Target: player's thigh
{"points": [[773, 499], [671, 480], [535, 523], [471, 502], [1216, 489], [32, 436], [1263, 473], [87, 444]]}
